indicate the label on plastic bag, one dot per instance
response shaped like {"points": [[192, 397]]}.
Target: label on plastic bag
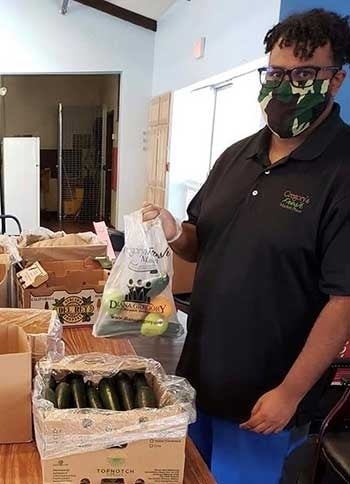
{"points": [[138, 289]]}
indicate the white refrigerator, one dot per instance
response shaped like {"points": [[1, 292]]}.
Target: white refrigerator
{"points": [[21, 182]]}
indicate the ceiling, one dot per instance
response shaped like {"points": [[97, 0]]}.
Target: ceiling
{"points": [[149, 8]]}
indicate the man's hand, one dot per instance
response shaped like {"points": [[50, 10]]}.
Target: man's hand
{"points": [[150, 212], [272, 412]]}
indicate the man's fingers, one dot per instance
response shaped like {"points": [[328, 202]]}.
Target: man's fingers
{"points": [[260, 429], [151, 215], [150, 208], [253, 422], [150, 211], [257, 407]]}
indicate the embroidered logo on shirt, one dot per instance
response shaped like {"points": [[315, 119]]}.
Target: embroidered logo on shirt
{"points": [[294, 201]]}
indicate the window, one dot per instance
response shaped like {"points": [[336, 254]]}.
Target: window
{"points": [[206, 120], [237, 113]]}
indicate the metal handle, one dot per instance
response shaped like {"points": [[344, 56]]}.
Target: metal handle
{"points": [[3, 223]]}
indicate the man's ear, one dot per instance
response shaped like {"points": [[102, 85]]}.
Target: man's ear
{"points": [[337, 82]]}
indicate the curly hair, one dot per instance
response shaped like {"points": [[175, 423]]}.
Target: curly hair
{"points": [[309, 30]]}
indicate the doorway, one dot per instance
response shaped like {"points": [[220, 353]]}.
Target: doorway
{"points": [[75, 118]]}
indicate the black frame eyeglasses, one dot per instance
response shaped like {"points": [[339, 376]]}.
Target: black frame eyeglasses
{"points": [[304, 76]]}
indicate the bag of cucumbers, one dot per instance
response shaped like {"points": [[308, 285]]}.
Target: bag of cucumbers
{"points": [[137, 299]]}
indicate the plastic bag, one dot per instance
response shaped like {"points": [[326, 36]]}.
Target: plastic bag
{"points": [[9, 246], [137, 298], [70, 431]]}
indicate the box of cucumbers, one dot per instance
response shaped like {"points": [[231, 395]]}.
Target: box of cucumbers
{"points": [[120, 392], [95, 401]]}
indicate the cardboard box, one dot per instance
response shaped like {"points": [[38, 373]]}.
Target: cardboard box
{"points": [[32, 321], [94, 248], [142, 462], [16, 383], [74, 290], [42, 328], [96, 446]]}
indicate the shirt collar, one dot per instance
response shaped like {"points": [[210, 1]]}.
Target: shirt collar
{"points": [[320, 139], [259, 145], [312, 147]]}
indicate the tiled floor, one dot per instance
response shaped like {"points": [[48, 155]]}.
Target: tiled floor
{"points": [[69, 225]]}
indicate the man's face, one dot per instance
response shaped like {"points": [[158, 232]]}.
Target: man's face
{"points": [[322, 57]]}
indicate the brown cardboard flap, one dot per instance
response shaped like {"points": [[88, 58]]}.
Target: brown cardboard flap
{"points": [[13, 340], [90, 246], [32, 321], [73, 275], [15, 392], [61, 268]]}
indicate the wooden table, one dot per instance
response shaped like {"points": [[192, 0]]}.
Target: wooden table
{"points": [[20, 463]]}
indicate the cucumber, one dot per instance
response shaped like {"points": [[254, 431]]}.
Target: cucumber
{"points": [[157, 285], [78, 391], [50, 395], [145, 398], [52, 383], [108, 394], [93, 396], [63, 395], [140, 381], [125, 391]]}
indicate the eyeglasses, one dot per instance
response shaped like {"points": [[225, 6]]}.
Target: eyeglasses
{"points": [[299, 76]]}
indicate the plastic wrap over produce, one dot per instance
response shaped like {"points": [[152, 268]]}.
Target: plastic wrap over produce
{"points": [[43, 329], [62, 432], [50, 344], [137, 299], [9, 247]]}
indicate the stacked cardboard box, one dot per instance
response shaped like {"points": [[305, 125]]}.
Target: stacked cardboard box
{"points": [[73, 289], [74, 282]]}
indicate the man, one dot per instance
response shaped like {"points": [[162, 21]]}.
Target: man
{"points": [[270, 232]]}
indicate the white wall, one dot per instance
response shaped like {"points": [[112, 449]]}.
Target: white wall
{"points": [[35, 38], [234, 30]]}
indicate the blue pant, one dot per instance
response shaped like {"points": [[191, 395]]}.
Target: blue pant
{"points": [[237, 456]]}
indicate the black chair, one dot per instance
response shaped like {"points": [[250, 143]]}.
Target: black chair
{"points": [[3, 219], [332, 447], [325, 457], [182, 302]]}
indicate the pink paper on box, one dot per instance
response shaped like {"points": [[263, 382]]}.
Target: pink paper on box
{"points": [[102, 233]]}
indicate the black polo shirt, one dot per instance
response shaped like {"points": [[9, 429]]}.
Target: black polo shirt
{"points": [[274, 244]]}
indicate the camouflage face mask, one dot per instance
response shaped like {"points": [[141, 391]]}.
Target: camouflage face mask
{"points": [[291, 110]]}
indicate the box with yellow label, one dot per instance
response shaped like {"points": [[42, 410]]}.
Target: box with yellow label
{"points": [[74, 290]]}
